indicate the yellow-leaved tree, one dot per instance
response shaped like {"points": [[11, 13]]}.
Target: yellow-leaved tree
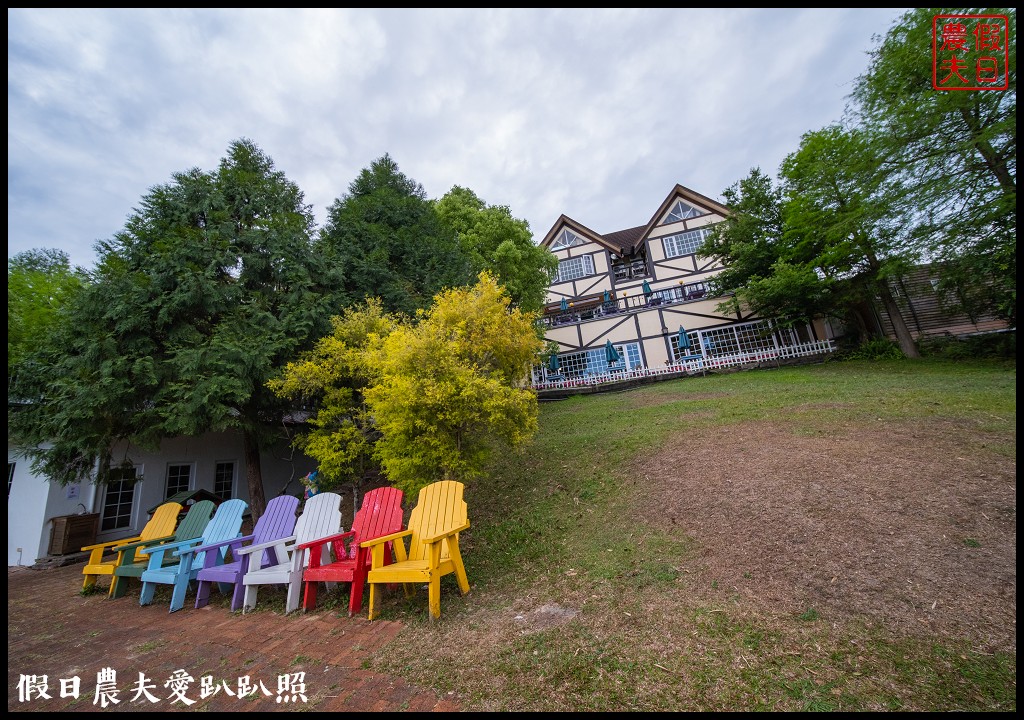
{"points": [[331, 379], [453, 387]]}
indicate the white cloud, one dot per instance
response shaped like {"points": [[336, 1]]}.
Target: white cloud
{"points": [[593, 113]]}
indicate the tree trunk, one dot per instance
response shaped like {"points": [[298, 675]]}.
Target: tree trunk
{"points": [[899, 325], [254, 476]]}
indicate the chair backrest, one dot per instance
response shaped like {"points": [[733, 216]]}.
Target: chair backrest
{"points": [[225, 525], [439, 507], [160, 525], [278, 521], [321, 516], [380, 514], [195, 521]]}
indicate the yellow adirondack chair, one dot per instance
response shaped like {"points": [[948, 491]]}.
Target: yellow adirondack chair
{"points": [[160, 526], [433, 532]]}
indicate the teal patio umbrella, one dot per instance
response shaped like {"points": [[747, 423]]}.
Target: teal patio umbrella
{"points": [[565, 304], [610, 353], [683, 341], [553, 363], [607, 296], [647, 288]]}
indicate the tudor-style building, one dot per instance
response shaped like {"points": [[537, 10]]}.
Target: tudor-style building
{"points": [[645, 288]]}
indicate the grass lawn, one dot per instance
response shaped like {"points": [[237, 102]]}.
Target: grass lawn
{"points": [[828, 537]]}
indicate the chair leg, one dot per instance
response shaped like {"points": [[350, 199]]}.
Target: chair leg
{"points": [[374, 600], [294, 593], [146, 596], [118, 586], [237, 595], [309, 596], [178, 594], [202, 594], [434, 597], [89, 583], [355, 595], [250, 598]]}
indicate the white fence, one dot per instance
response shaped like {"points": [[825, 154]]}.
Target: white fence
{"points": [[692, 364]]}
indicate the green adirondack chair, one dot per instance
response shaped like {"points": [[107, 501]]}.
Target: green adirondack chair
{"points": [[192, 526], [178, 563]]}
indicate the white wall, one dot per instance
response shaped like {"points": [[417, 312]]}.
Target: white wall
{"points": [[33, 501], [30, 504]]}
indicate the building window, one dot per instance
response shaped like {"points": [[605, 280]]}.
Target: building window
{"points": [[566, 238], [119, 499], [681, 211], [684, 243], [224, 480], [595, 362], [739, 339], [179, 478], [576, 267]]}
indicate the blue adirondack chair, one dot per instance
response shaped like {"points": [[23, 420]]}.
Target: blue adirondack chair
{"points": [[226, 524], [276, 523]]}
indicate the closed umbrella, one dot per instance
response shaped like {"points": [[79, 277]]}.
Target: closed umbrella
{"points": [[553, 363], [684, 341], [647, 288], [565, 304], [607, 296], [610, 353]]}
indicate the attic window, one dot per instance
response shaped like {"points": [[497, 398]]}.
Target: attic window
{"points": [[681, 211], [567, 238]]}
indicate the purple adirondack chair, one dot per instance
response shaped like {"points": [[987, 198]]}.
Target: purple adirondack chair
{"points": [[277, 522]]}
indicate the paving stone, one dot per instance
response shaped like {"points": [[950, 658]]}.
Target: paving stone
{"points": [[56, 632]]}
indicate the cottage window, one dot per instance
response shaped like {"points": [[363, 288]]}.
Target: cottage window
{"points": [[576, 267], [118, 499], [566, 238], [224, 480], [681, 211], [684, 243], [179, 478]]}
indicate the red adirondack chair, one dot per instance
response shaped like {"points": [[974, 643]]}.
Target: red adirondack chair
{"points": [[379, 515]]}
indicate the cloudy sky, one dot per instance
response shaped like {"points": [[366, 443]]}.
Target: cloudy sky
{"points": [[596, 114]]}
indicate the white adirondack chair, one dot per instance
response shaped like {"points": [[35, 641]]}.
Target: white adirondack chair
{"points": [[321, 516]]}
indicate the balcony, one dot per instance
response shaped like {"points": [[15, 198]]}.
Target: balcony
{"points": [[595, 307]]}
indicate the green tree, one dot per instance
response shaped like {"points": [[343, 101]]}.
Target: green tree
{"points": [[384, 239], [450, 389], [500, 244], [761, 270], [956, 155], [208, 290], [842, 222], [332, 379], [39, 283]]}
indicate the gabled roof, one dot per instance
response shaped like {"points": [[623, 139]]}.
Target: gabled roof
{"points": [[624, 242]]}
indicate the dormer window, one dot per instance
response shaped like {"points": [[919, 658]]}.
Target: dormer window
{"points": [[566, 239], [681, 211]]}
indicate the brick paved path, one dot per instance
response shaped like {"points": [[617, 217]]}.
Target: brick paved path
{"points": [[54, 631]]}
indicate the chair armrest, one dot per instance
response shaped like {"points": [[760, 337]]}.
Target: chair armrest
{"points": [[222, 543], [264, 546], [324, 540], [170, 546], [446, 533], [384, 538], [144, 543], [112, 543]]}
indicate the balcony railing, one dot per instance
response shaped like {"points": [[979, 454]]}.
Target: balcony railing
{"points": [[692, 364], [592, 308]]}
